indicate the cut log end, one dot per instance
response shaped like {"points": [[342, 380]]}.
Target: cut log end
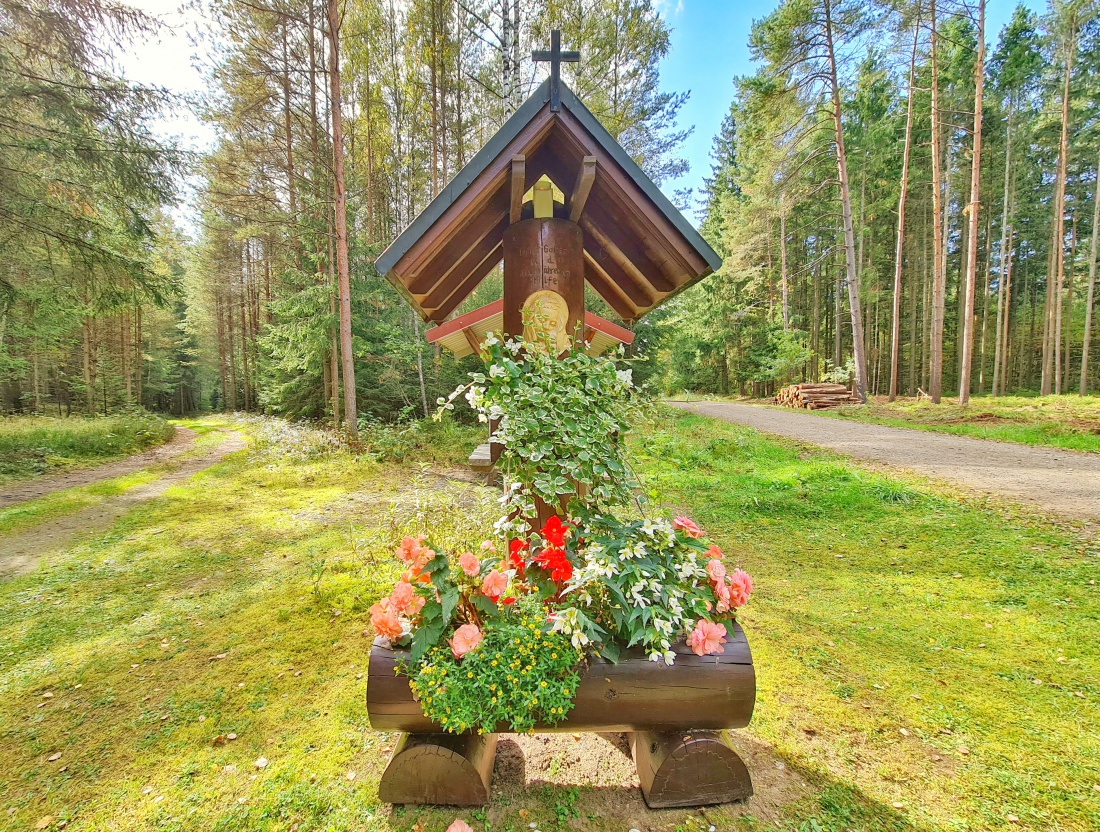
{"points": [[440, 769], [698, 768]]}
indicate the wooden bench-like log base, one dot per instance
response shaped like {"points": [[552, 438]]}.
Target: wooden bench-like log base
{"points": [[440, 769], [695, 768]]}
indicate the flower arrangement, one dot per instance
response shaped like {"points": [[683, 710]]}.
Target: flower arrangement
{"points": [[500, 637]]}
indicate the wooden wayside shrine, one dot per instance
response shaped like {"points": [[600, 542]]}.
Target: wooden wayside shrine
{"points": [[615, 231]]}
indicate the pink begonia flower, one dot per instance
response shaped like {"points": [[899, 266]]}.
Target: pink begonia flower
{"points": [[411, 548], [487, 546], [740, 588], [459, 826], [401, 596], [467, 637], [716, 570], [494, 584], [707, 638], [469, 563], [722, 593], [385, 620], [687, 526]]}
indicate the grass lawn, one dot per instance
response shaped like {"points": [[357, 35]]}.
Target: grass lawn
{"points": [[913, 650], [33, 445], [1071, 422]]}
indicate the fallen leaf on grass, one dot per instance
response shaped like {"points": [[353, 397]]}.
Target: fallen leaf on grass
{"points": [[231, 737], [261, 762], [44, 823], [897, 804], [903, 732], [351, 775], [964, 750], [218, 741], [147, 790], [54, 757]]}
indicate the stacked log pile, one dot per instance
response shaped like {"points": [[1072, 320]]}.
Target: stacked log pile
{"points": [[815, 396]]}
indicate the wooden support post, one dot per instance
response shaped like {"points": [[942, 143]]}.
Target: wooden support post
{"points": [[519, 180], [694, 768], [586, 176], [440, 769]]}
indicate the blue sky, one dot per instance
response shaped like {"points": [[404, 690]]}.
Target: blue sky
{"points": [[710, 47]]}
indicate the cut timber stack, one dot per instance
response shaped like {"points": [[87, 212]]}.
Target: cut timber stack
{"points": [[815, 396]]}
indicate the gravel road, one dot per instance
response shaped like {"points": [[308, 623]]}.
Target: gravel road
{"points": [[1063, 482]]}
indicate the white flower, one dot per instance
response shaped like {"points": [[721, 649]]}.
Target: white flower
{"points": [[626, 377], [497, 371]]}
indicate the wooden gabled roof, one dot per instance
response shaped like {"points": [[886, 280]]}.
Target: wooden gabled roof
{"points": [[638, 248]]}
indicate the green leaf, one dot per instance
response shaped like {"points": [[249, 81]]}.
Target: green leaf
{"points": [[425, 637]]}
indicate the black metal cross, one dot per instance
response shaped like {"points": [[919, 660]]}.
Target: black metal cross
{"points": [[555, 56]]}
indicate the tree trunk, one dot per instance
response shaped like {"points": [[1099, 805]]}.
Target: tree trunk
{"points": [[846, 212], [342, 268], [1068, 317], [784, 288], [895, 332], [1004, 250], [1053, 333], [968, 321], [1091, 293], [939, 277]]}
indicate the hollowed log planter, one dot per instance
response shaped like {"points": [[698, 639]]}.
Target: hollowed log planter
{"points": [[675, 716]]}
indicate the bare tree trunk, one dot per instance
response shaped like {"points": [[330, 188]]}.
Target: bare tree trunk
{"points": [[895, 333], [1053, 332], [292, 196], [1004, 245], [846, 213], [342, 268], [232, 348], [1069, 300], [138, 356], [939, 276], [784, 288], [1091, 294], [968, 322], [223, 366], [1008, 318]]}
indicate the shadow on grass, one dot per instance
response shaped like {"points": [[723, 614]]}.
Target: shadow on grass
{"points": [[526, 794]]}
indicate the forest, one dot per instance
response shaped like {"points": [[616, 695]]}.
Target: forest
{"points": [[903, 199]]}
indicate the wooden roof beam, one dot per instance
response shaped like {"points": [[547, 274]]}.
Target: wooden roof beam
{"points": [[486, 223], [491, 247], [607, 289], [450, 304], [648, 283], [640, 295], [519, 188], [586, 176], [471, 339]]}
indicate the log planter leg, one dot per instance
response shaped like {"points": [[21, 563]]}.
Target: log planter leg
{"points": [[440, 769], [695, 768]]}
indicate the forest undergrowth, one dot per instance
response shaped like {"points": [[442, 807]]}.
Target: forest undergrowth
{"points": [[925, 661], [34, 445]]}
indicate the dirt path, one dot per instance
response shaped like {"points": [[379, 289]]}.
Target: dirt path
{"points": [[1062, 482], [24, 549], [20, 492]]}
